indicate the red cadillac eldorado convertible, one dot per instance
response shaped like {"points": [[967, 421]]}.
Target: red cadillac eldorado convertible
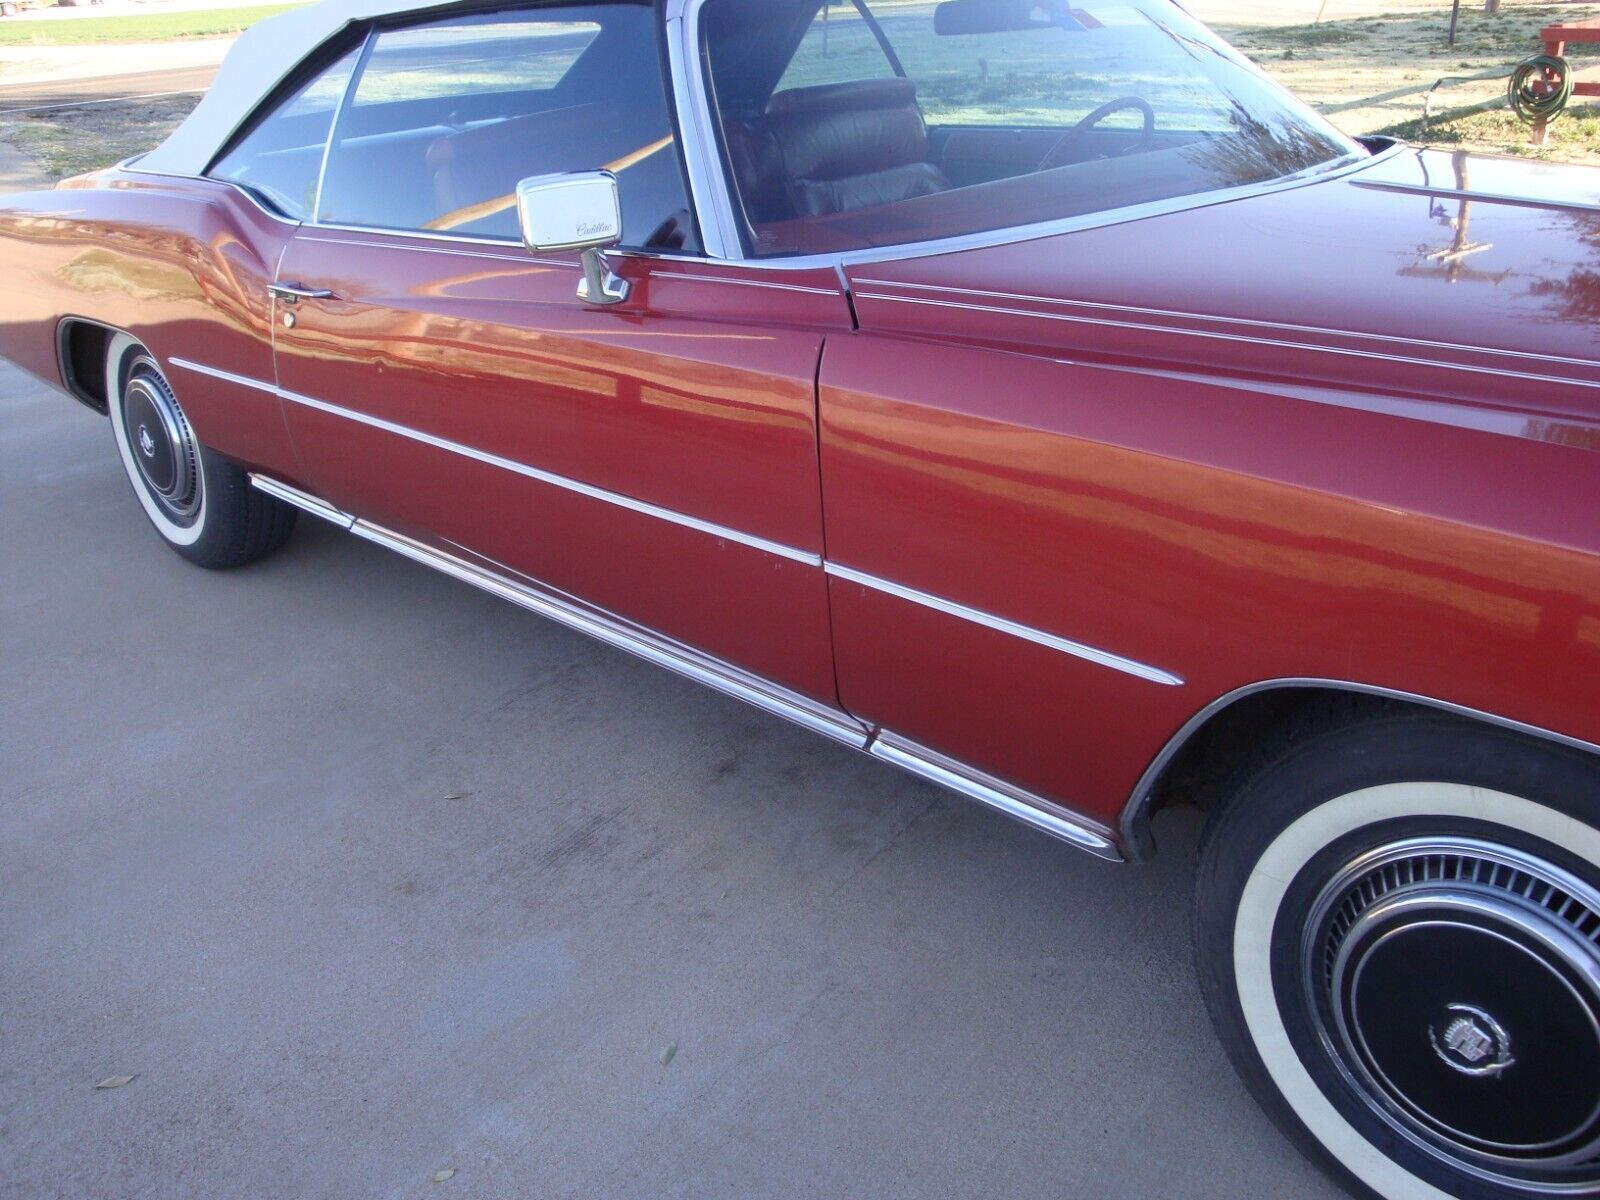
{"points": [[1027, 393]]}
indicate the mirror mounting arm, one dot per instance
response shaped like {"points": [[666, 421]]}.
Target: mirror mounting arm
{"points": [[601, 285], [580, 210]]}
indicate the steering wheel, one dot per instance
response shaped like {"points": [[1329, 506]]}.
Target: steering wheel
{"points": [[1054, 154]]}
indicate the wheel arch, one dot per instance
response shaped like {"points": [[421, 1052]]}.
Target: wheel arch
{"points": [[1198, 759], [81, 346]]}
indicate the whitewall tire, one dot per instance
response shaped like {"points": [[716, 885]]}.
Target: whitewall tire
{"points": [[201, 504], [1398, 930]]}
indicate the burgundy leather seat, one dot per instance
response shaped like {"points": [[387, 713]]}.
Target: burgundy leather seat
{"points": [[853, 145], [758, 171]]}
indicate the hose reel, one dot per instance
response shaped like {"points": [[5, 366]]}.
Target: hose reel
{"points": [[1541, 88]]}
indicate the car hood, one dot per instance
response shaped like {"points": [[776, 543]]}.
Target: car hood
{"points": [[1420, 273]]}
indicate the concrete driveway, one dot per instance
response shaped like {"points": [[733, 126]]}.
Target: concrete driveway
{"points": [[364, 876]]}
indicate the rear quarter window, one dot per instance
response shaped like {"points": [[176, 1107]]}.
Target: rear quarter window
{"points": [[280, 157]]}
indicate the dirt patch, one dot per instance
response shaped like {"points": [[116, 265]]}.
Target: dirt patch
{"points": [[71, 141]]}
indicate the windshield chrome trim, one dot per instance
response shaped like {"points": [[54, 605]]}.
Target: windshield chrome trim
{"points": [[1014, 234], [719, 228], [685, 42], [1038, 637]]}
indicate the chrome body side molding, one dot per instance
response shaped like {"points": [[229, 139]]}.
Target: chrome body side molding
{"points": [[998, 309], [1032, 810], [1134, 825], [671, 516], [560, 481], [1104, 658], [1039, 637], [243, 381], [1162, 315]]}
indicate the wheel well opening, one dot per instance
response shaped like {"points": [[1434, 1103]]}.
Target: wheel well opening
{"points": [[1203, 770], [82, 346], [1199, 773]]}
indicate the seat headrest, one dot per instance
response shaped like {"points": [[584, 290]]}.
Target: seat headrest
{"points": [[845, 129], [831, 97]]}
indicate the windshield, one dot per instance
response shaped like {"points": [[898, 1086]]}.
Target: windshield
{"points": [[847, 125]]}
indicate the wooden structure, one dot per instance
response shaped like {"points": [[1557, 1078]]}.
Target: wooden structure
{"points": [[1489, 6], [1555, 39]]}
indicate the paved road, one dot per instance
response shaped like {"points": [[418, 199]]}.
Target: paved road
{"points": [[103, 89], [363, 875]]}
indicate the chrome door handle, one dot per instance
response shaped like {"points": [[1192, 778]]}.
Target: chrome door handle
{"points": [[293, 293]]}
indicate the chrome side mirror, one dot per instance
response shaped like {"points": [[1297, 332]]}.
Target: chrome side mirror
{"points": [[578, 211]]}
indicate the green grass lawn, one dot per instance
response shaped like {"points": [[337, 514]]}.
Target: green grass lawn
{"points": [[143, 27]]}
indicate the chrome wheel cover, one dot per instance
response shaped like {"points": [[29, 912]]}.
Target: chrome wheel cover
{"points": [[162, 445], [1454, 983]]}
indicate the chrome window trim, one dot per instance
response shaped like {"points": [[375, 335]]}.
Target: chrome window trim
{"points": [[1039, 637], [616, 499], [719, 230], [129, 166], [357, 70], [1134, 823], [717, 216], [459, 252], [1108, 323], [755, 283], [708, 193], [420, 235], [1032, 810]]}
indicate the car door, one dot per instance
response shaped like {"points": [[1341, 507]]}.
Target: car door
{"points": [[655, 458]]}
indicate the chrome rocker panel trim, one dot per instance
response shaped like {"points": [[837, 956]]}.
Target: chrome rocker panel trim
{"points": [[303, 501], [1034, 811]]}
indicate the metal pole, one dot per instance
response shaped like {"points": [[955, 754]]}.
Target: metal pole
{"points": [[1455, 17]]}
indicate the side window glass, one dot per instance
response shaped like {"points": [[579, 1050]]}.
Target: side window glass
{"points": [[838, 47], [281, 157], [446, 118]]}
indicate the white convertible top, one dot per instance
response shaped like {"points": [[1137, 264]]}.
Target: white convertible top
{"points": [[265, 54]]}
